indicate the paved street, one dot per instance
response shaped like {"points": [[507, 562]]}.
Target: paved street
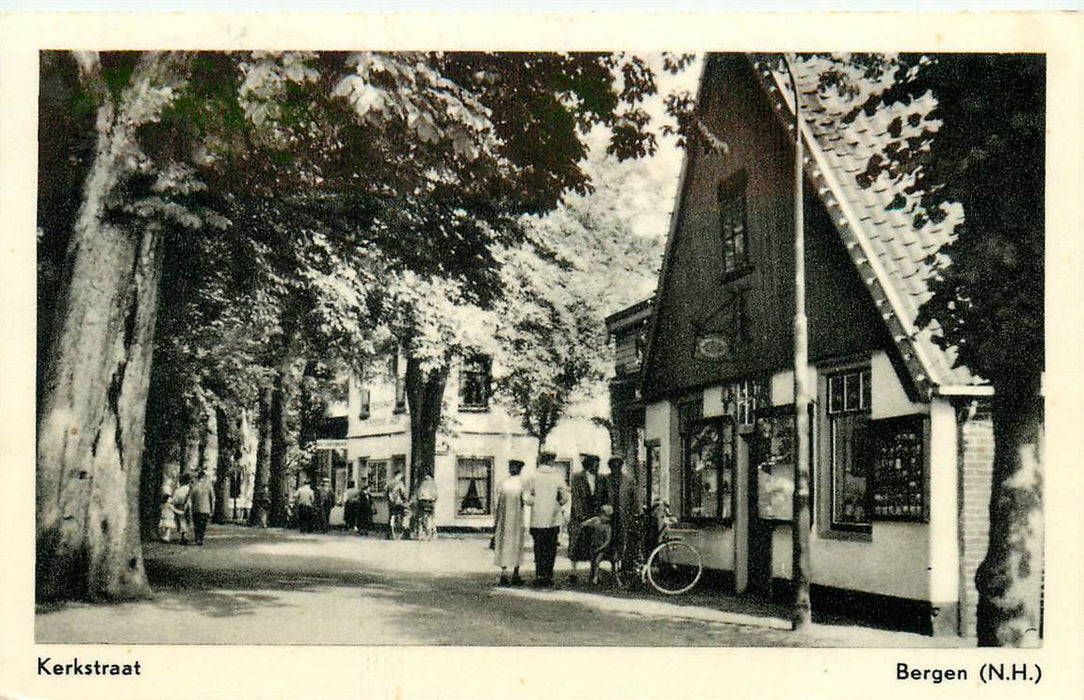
{"points": [[279, 587]]}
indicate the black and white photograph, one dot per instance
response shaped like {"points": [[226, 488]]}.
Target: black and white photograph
{"points": [[583, 349]]}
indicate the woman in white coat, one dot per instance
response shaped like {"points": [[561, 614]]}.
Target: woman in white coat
{"points": [[508, 525]]}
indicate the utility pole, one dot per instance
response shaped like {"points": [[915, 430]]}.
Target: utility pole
{"points": [[801, 573]]}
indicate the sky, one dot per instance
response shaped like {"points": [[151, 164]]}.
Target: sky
{"points": [[649, 185]]}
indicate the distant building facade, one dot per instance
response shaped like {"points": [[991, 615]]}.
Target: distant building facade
{"points": [[627, 329], [476, 440]]}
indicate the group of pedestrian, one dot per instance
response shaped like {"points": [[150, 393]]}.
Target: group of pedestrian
{"points": [[313, 505], [600, 509], [358, 508], [401, 503], [188, 509]]}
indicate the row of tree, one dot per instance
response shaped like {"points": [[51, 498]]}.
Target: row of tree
{"points": [[257, 224]]}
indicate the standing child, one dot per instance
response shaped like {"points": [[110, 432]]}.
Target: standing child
{"points": [[167, 521]]}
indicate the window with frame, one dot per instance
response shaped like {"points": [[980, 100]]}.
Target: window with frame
{"points": [[707, 470], [732, 226], [376, 470], [474, 383], [400, 384], [742, 398], [898, 468], [849, 402], [473, 485]]}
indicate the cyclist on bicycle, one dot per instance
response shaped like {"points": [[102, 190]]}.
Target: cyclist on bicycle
{"points": [[425, 498], [396, 493]]}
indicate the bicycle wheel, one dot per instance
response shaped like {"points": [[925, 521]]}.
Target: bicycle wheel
{"points": [[674, 567]]}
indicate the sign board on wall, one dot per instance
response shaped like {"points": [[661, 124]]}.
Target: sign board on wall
{"points": [[713, 346]]}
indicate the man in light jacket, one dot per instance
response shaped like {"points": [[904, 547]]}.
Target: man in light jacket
{"points": [[546, 494]]}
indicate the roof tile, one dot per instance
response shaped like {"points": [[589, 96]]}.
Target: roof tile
{"points": [[900, 249]]}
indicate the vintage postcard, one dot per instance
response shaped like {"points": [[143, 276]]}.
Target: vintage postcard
{"points": [[463, 354]]}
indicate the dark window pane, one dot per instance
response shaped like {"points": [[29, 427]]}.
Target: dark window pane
{"points": [[851, 391], [850, 474], [835, 394]]}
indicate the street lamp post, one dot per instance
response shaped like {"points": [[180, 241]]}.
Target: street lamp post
{"points": [[800, 521]]}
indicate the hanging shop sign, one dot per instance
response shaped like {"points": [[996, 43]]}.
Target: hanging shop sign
{"points": [[713, 346]]}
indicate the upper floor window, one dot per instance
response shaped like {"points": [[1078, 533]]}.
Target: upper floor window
{"points": [[474, 383], [364, 404], [400, 384], [732, 226]]}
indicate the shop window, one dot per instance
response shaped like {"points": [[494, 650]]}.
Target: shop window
{"points": [[474, 479], [732, 226], [474, 383], [364, 404], [376, 470], [775, 454], [707, 470], [848, 425], [898, 468]]}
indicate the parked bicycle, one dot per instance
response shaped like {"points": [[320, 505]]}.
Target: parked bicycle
{"points": [[665, 561]]}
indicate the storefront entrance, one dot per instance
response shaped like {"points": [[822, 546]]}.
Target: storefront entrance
{"points": [[760, 529]]}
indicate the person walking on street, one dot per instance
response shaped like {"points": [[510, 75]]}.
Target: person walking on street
{"points": [[397, 504], [203, 504], [182, 503], [325, 502], [425, 508], [365, 509], [305, 500], [587, 500], [508, 525], [167, 520], [546, 494], [351, 503], [619, 492]]}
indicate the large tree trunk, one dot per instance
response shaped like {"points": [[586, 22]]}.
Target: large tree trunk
{"points": [[278, 483], [193, 449], [1010, 578], [93, 400], [227, 464], [425, 398], [249, 440], [261, 487], [209, 453]]}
